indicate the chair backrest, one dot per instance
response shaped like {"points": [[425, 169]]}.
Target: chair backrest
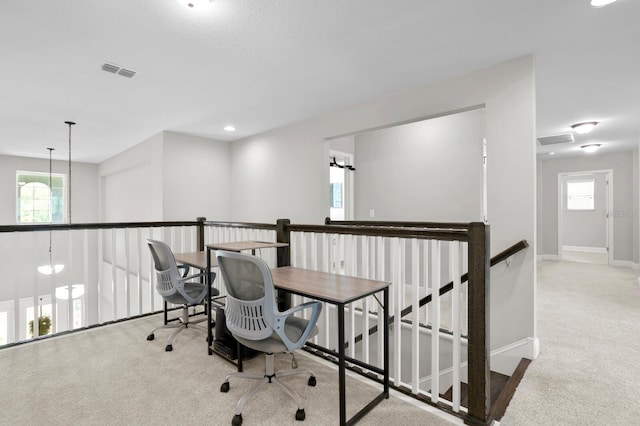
{"points": [[251, 301], [166, 268]]}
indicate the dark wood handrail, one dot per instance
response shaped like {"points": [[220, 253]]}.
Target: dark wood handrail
{"points": [[271, 226], [520, 245], [389, 232], [383, 223], [120, 225], [102, 225]]}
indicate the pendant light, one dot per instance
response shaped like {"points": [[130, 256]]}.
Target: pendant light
{"points": [[50, 268], [69, 123]]}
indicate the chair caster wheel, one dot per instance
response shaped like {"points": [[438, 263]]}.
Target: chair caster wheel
{"points": [[237, 420], [151, 337], [300, 415], [169, 348], [312, 381], [224, 387]]}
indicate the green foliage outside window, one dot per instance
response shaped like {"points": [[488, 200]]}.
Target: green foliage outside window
{"points": [[44, 326]]}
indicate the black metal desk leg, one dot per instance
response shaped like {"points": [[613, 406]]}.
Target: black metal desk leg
{"points": [[385, 311], [209, 318], [341, 366]]}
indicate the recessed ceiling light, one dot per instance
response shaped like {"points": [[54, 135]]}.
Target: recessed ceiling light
{"points": [[230, 128], [193, 4], [600, 3], [592, 147], [552, 153], [586, 127]]}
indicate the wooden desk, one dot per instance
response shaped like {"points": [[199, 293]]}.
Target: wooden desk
{"points": [[196, 259], [340, 290], [245, 245], [199, 260]]}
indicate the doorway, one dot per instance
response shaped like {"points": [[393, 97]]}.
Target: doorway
{"points": [[585, 228], [341, 185]]}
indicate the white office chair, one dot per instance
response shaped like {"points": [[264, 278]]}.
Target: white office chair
{"points": [[253, 318], [177, 288]]}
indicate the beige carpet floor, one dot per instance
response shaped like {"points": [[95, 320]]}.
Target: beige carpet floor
{"points": [[588, 371], [113, 376]]}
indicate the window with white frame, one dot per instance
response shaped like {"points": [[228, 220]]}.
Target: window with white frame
{"points": [[40, 198], [580, 194], [6, 322]]}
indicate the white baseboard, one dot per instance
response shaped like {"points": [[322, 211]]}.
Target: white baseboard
{"points": [[635, 266], [539, 258], [504, 360], [585, 249], [622, 263], [550, 257]]}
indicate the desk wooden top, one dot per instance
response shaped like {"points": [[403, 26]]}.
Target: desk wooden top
{"points": [[325, 286], [245, 245], [197, 259]]}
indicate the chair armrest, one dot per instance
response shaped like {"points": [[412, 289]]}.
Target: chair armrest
{"points": [[186, 268], [190, 277], [184, 294], [281, 318]]}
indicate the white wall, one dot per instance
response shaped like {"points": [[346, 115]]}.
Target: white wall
{"points": [[196, 178], [84, 186], [622, 165], [430, 170], [636, 206], [283, 173], [539, 210], [131, 183], [170, 176]]}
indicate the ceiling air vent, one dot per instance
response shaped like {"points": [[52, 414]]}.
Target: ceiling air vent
{"points": [[116, 69], [110, 68], [556, 139], [126, 73]]}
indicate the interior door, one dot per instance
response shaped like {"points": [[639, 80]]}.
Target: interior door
{"points": [[584, 215]]}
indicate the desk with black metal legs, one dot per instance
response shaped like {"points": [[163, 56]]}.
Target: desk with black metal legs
{"points": [[340, 290], [200, 260]]}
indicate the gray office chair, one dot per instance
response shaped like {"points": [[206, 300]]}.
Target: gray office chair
{"points": [[253, 319], [177, 288]]}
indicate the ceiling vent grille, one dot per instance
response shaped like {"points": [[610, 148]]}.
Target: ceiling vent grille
{"points": [[126, 73], [110, 68], [556, 139], [116, 69]]}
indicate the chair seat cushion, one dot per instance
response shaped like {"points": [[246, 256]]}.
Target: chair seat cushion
{"points": [[294, 327], [193, 289]]}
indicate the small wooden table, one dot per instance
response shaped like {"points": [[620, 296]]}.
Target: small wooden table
{"points": [[245, 245], [196, 259], [340, 290]]}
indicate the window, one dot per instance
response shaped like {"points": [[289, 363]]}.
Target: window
{"points": [[36, 202], [580, 194], [6, 322], [336, 195]]}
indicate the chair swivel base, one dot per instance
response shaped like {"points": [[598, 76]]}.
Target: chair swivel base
{"points": [[182, 324], [269, 376]]}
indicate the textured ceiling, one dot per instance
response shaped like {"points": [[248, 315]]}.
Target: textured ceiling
{"points": [[263, 64]]}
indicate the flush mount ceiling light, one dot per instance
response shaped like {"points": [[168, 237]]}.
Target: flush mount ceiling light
{"points": [[193, 4], [592, 147], [600, 3], [586, 127], [230, 128]]}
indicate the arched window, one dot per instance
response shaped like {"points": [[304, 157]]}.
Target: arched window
{"points": [[36, 202]]}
